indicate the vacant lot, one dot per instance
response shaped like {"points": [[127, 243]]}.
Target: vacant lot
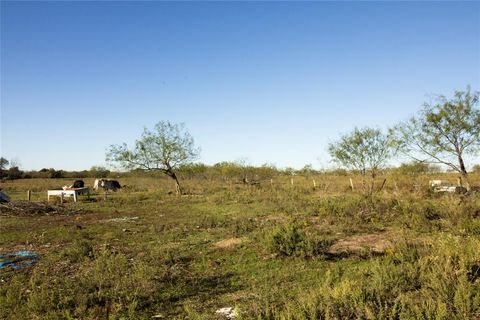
{"points": [[271, 251]]}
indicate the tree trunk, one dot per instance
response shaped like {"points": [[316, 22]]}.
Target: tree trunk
{"points": [[373, 183], [178, 189], [464, 172]]}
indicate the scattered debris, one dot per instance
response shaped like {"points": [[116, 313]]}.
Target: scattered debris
{"points": [[457, 189], [445, 186], [439, 183], [18, 260], [30, 208], [122, 219], [228, 312]]}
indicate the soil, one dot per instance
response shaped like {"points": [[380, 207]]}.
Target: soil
{"points": [[26, 208]]}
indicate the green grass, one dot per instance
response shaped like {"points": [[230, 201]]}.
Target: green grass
{"points": [[278, 265]]}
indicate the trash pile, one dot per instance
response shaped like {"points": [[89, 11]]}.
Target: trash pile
{"points": [[122, 219], [27, 208], [228, 312], [18, 260], [444, 186]]}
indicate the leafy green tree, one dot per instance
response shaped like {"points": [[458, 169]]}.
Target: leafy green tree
{"points": [[228, 170], [306, 170], [266, 171], [14, 173], [364, 150], [55, 174], [443, 132], [165, 148], [194, 170], [99, 171], [417, 168]]}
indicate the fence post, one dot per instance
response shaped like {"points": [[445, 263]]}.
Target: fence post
{"points": [[314, 184], [29, 195], [351, 184], [291, 181], [383, 184], [61, 198]]}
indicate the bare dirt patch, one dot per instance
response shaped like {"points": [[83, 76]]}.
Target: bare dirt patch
{"points": [[229, 243], [376, 243], [26, 208]]}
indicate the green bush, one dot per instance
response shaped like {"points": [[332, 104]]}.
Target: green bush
{"points": [[79, 250], [292, 240]]}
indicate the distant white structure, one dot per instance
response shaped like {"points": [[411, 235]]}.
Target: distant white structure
{"points": [[439, 183], [446, 186]]}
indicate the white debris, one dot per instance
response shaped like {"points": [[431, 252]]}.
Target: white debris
{"points": [[457, 189], [439, 183], [228, 312], [123, 219]]}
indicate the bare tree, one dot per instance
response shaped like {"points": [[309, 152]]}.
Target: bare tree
{"points": [[163, 149], [443, 132]]}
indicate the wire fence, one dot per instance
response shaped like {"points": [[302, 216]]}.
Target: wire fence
{"points": [[29, 195]]}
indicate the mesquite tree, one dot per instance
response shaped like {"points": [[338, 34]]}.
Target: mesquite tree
{"points": [[364, 150], [164, 149], [443, 132]]}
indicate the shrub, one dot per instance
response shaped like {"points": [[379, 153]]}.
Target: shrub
{"points": [[79, 250], [14, 173], [292, 240]]}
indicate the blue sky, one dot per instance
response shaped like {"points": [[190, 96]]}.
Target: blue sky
{"points": [[270, 81]]}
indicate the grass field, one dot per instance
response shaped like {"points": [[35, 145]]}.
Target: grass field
{"points": [[274, 251]]}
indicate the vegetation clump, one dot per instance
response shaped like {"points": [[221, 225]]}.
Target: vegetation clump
{"points": [[293, 240]]}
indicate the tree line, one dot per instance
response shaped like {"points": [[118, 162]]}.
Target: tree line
{"points": [[10, 171], [442, 132], [229, 171]]}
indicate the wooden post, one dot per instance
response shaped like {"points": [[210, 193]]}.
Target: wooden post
{"points": [[271, 182], [351, 184], [291, 181], [459, 181], [61, 198], [314, 184], [383, 184], [29, 195]]}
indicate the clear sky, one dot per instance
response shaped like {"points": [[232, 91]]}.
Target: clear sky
{"points": [[270, 81]]}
